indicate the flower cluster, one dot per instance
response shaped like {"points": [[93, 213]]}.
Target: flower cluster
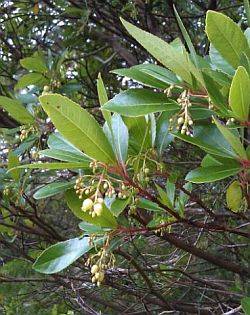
{"points": [[24, 133], [183, 120], [100, 262]]}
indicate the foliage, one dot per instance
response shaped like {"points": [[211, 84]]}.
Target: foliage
{"points": [[148, 196]]}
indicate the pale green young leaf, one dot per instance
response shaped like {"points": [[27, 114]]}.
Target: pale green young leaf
{"points": [[239, 96], [226, 36], [16, 110], [78, 126]]}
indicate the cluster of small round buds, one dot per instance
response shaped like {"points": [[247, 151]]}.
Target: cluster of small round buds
{"points": [[97, 275], [6, 191], [79, 187], [122, 195]]}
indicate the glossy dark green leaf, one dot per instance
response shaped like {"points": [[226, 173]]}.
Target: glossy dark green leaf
{"points": [[149, 205], [175, 60], [59, 256], [78, 127], [163, 136], [65, 156], [118, 137], [52, 189], [92, 229], [232, 139], [55, 166], [106, 219], [212, 174], [149, 75], [139, 102], [118, 205]]}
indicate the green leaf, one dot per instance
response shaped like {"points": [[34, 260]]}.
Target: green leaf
{"points": [[186, 37], [16, 110], [13, 161], [36, 63], [149, 75], [177, 61], [163, 137], [212, 174], [103, 98], [226, 37], [59, 256], [139, 134], [234, 196], [118, 137], [219, 62], [55, 166], [239, 96], [247, 10], [245, 304], [139, 102], [118, 205], [209, 148], [78, 127], [65, 156], [52, 189], [92, 229], [57, 142], [232, 139], [164, 197], [32, 78], [106, 219], [149, 205]]}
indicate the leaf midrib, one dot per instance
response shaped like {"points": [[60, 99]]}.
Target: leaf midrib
{"points": [[77, 127]]}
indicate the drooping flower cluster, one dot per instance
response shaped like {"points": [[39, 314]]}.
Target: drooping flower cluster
{"points": [[100, 262]]}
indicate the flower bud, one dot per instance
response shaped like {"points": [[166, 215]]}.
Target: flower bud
{"points": [[180, 120], [46, 88], [100, 200], [190, 122], [87, 204], [100, 276], [94, 269], [97, 209], [146, 171]]}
